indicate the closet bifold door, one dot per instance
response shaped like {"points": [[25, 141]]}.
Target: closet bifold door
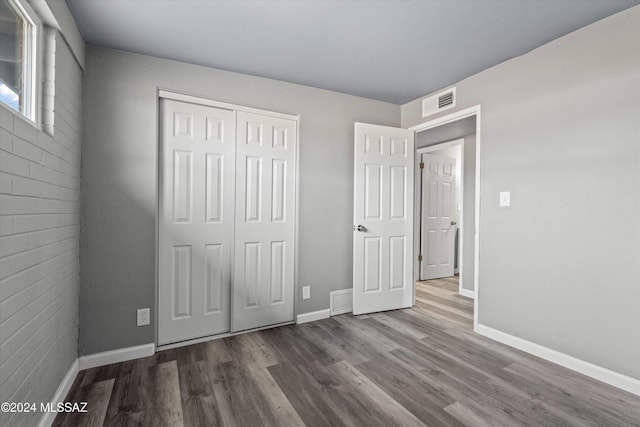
{"points": [[196, 219], [265, 221]]}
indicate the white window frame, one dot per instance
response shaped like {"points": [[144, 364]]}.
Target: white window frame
{"points": [[31, 64]]}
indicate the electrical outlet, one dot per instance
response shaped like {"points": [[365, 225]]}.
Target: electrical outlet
{"points": [[306, 292], [143, 316]]}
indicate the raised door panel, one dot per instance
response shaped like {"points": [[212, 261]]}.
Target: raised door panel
{"points": [[446, 204], [183, 124], [399, 147], [181, 282], [445, 244], [215, 279], [398, 199], [278, 190], [280, 136], [253, 189], [372, 264], [430, 199], [254, 133], [214, 190], [252, 275], [215, 129], [182, 186], [278, 272], [397, 262], [432, 242], [373, 191], [373, 144]]}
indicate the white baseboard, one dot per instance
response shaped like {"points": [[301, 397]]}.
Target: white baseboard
{"points": [[605, 375], [61, 393], [93, 361], [467, 293], [115, 356], [313, 316]]}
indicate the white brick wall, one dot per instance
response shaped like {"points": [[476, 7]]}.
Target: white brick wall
{"points": [[39, 240]]}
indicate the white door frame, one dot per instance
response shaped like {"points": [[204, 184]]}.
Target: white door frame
{"points": [[196, 99], [419, 194], [458, 115]]}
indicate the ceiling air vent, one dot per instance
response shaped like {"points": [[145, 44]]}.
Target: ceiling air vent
{"points": [[440, 102]]}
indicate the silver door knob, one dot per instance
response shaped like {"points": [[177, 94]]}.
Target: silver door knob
{"points": [[453, 223], [360, 228]]}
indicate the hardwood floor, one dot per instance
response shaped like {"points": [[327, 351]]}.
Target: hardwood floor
{"points": [[413, 367]]}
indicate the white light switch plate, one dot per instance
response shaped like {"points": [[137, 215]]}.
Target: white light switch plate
{"points": [[505, 198], [306, 292]]}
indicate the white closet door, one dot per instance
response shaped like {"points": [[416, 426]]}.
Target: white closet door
{"points": [[197, 145], [265, 201]]}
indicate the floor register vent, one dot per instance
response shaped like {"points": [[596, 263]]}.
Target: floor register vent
{"points": [[341, 301], [439, 102]]}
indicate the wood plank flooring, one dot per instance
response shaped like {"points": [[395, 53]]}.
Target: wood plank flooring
{"points": [[413, 367]]}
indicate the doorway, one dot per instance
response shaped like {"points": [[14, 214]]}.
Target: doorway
{"points": [[384, 194], [461, 129]]}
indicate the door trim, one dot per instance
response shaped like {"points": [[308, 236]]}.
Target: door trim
{"points": [[163, 93], [475, 110], [195, 99]]}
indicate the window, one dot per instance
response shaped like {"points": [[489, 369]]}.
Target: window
{"points": [[18, 58]]}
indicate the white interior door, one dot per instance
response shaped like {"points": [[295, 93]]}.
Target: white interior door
{"points": [[265, 221], [383, 218], [197, 145], [438, 216]]}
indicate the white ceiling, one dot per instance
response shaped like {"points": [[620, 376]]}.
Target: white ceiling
{"points": [[393, 51]]}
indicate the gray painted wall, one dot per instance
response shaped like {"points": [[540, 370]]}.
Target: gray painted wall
{"points": [[561, 131], [119, 183], [39, 238]]}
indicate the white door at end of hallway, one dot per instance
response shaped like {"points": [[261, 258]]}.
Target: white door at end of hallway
{"points": [[438, 217]]}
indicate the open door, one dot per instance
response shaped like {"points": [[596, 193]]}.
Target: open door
{"points": [[383, 218]]}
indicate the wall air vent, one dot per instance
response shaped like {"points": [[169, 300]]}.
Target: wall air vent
{"points": [[341, 301], [439, 102]]}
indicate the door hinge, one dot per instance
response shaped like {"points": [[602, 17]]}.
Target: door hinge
{"points": [[419, 257], [421, 165]]}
